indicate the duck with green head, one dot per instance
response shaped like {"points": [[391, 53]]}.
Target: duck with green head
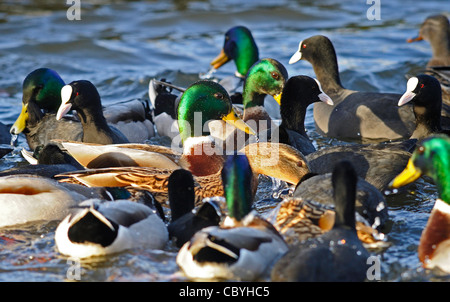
{"points": [[432, 158], [266, 77], [240, 47], [244, 246], [40, 102], [203, 102]]}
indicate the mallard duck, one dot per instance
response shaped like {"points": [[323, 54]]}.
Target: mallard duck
{"points": [[379, 163], [98, 228], [186, 220], [310, 212], [27, 198], [337, 255], [431, 158], [265, 77], [298, 93], [355, 115], [436, 31], [245, 246], [424, 92], [41, 100], [239, 46]]}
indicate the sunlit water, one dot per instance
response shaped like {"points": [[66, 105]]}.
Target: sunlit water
{"points": [[121, 46]]}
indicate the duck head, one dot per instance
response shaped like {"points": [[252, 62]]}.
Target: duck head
{"points": [[240, 47], [237, 182], [204, 101], [265, 77], [430, 158], [41, 93]]}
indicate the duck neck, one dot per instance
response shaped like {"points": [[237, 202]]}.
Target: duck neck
{"points": [[440, 45], [345, 206], [250, 96], [94, 125]]}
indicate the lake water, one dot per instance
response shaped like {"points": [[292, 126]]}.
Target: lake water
{"points": [[121, 45]]}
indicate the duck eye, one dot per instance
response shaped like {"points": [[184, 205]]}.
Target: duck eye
{"points": [[422, 85], [304, 45], [218, 95], [275, 75], [421, 150]]}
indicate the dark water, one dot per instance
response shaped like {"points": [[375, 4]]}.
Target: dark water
{"points": [[121, 45]]}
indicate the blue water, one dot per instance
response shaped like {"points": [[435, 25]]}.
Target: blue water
{"points": [[121, 46]]}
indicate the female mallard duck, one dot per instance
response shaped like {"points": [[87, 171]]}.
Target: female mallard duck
{"points": [[26, 198], [436, 31], [355, 115], [425, 93], [41, 100], [431, 158], [99, 228], [186, 220], [298, 93], [337, 255], [245, 246], [310, 211], [240, 47]]}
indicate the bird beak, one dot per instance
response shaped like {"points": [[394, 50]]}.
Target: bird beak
{"points": [[220, 60], [407, 176], [233, 119], [20, 123]]}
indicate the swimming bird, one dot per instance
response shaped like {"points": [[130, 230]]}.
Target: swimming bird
{"points": [[336, 256], [41, 100], [186, 220], [239, 46], [298, 93], [436, 30], [355, 115], [245, 246], [379, 163], [83, 97], [28, 198], [431, 158], [266, 77], [97, 228], [424, 92]]}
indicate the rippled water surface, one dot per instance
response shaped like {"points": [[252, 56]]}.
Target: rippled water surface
{"points": [[121, 45]]}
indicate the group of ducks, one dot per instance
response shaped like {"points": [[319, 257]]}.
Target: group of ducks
{"points": [[113, 192]]}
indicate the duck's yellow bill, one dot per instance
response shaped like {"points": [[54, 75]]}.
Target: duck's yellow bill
{"points": [[21, 122], [277, 98], [220, 60], [233, 119], [407, 176]]}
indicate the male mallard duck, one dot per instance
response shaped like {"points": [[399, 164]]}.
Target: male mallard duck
{"points": [[26, 198], [298, 93], [83, 97], [337, 255], [245, 246], [355, 115], [425, 93], [41, 100], [99, 228], [186, 220], [431, 158], [265, 77], [240, 47]]}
